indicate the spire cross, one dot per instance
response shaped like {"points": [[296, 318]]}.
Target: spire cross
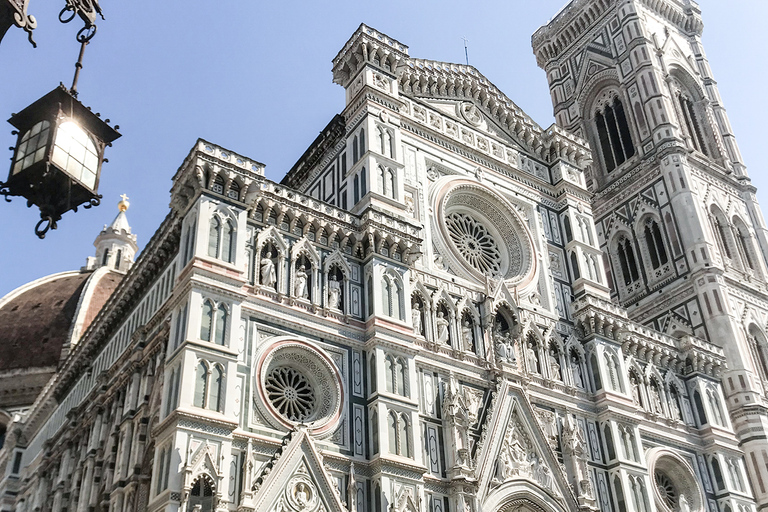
{"points": [[123, 197]]}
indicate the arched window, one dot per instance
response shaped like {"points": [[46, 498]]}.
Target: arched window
{"points": [[575, 266], [595, 371], [609, 446], [392, 297], [655, 244], [357, 189], [400, 374], [220, 325], [619, 491], [372, 373], [206, 322], [214, 238], [105, 258], [690, 116], [362, 142], [390, 372], [355, 155], [216, 391], [201, 384], [119, 258], [568, 230], [403, 437], [759, 349], [613, 135], [717, 473], [227, 244], [374, 431], [699, 408], [201, 494], [744, 243], [363, 183], [381, 176], [627, 260], [218, 185], [234, 191], [390, 185], [392, 432], [720, 227], [714, 404]]}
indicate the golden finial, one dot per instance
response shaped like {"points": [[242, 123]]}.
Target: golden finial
{"points": [[124, 204]]}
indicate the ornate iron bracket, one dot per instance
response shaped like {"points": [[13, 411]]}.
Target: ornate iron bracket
{"points": [[87, 10]]}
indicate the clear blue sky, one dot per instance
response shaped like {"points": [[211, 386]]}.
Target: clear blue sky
{"points": [[255, 77]]}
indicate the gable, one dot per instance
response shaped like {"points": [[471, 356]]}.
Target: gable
{"points": [[515, 456], [294, 480]]}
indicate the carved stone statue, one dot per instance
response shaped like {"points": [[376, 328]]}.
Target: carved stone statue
{"points": [[554, 366], [416, 317], [268, 275], [466, 335], [300, 288], [442, 328], [334, 293], [532, 358], [682, 504], [578, 378]]}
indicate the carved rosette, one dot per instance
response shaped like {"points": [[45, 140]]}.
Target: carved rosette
{"points": [[298, 383], [482, 234]]}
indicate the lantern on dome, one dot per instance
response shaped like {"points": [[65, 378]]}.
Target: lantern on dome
{"points": [[58, 155]]}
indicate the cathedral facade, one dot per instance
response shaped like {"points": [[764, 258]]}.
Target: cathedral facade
{"points": [[443, 307]]}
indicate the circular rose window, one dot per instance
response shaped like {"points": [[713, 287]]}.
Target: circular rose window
{"points": [[481, 233], [675, 485], [299, 383]]}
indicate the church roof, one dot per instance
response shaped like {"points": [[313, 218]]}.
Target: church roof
{"points": [[37, 320]]}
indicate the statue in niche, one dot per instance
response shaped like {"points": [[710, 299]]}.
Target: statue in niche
{"points": [[635, 385], [416, 318], [442, 328], [503, 342], [334, 292], [682, 504], [655, 399], [532, 357], [674, 405], [268, 274], [554, 365], [578, 378], [466, 335], [300, 288]]}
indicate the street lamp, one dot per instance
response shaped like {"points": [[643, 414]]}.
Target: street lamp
{"points": [[59, 151], [58, 155]]}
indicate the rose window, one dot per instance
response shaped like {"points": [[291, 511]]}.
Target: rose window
{"points": [[297, 382], [291, 393], [473, 241], [667, 490]]}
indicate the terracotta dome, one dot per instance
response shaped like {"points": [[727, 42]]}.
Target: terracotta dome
{"points": [[39, 324]]}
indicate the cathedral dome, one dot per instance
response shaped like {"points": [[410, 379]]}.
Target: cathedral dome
{"points": [[44, 317], [40, 323]]}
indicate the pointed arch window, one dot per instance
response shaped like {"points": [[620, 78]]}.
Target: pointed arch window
{"points": [[216, 390], [355, 155], [213, 324], [201, 384], [214, 238], [627, 261], [399, 432], [374, 432], [357, 188], [392, 432], [691, 122], [220, 324], [206, 322], [720, 225], [655, 243], [613, 135], [392, 297], [227, 244], [362, 142], [744, 243], [759, 348]]}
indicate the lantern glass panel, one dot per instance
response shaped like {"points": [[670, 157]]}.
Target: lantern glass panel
{"points": [[32, 146], [76, 154]]}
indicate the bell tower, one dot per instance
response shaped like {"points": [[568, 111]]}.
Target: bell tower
{"points": [[683, 238]]}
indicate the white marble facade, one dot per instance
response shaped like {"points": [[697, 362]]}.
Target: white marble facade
{"points": [[426, 314]]}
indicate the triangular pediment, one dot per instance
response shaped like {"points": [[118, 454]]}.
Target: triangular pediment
{"points": [[516, 453], [295, 480]]}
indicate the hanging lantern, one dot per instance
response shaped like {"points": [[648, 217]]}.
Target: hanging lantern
{"points": [[58, 156]]}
